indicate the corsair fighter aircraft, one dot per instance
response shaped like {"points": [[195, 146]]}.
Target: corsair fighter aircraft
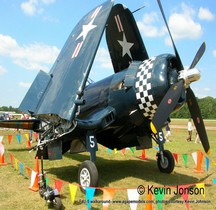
{"points": [[126, 109]]}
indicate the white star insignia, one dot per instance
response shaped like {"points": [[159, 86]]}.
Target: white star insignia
{"points": [[86, 29], [126, 46]]}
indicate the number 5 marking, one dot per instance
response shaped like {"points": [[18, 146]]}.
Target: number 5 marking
{"points": [[92, 142], [160, 134]]}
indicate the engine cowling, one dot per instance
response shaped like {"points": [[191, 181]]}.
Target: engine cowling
{"points": [[153, 79]]}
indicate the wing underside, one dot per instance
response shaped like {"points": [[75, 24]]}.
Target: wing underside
{"points": [[70, 71]]}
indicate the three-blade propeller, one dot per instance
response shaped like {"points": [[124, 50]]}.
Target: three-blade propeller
{"points": [[173, 95]]}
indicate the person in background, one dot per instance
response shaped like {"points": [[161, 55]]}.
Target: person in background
{"points": [[197, 139], [190, 129]]}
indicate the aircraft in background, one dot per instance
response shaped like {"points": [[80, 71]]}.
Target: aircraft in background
{"points": [[126, 109]]}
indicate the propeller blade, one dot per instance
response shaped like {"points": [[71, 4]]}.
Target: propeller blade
{"points": [[175, 49], [198, 55], [197, 119], [166, 106]]}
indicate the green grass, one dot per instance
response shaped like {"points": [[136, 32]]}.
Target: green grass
{"points": [[115, 171]]}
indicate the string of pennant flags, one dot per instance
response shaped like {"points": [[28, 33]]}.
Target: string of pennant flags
{"points": [[28, 136], [109, 193], [197, 156]]}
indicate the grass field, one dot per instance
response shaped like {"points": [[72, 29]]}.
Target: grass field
{"points": [[115, 170]]}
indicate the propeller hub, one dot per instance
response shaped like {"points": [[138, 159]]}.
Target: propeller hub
{"points": [[189, 76]]}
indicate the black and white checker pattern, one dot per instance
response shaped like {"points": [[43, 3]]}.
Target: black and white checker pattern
{"points": [[143, 88]]}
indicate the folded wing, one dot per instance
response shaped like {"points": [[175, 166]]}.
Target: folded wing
{"points": [[69, 74], [123, 38]]}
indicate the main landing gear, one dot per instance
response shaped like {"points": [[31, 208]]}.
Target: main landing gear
{"points": [[167, 163], [88, 173], [165, 159]]}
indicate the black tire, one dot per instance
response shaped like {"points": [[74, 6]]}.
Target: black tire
{"points": [[169, 162], [57, 203], [87, 175]]}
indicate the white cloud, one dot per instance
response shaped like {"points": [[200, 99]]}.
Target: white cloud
{"points": [[2, 70], [205, 14], [148, 25], [29, 7], [183, 25], [34, 56], [207, 89], [24, 84], [48, 1], [103, 58], [214, 53], [33, 7]]}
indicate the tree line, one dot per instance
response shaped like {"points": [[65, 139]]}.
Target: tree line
{"points": [[207, 106], [9, 109]]}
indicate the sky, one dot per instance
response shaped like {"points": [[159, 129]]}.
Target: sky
{"points": [[32, 33]]}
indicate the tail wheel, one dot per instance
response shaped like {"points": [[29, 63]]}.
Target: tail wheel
{"points": [[57, 203], [87, 175], [168, 164]]}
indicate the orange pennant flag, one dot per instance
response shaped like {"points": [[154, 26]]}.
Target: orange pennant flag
{"points": [[199, 162], [11, 159], [58, 185], [9, 139], [124, 151], [148, 205], [108, 195], [28, 171], [73, 191], [175, 155], [36, 135]]}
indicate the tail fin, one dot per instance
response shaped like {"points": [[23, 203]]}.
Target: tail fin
{"points": [[123, 38]]}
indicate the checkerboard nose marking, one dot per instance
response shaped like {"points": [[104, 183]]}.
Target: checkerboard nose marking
{"points": [[143, 88]]}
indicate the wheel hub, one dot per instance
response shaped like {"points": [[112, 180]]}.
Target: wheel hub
{"points": [[85, 178], [165, 163]]}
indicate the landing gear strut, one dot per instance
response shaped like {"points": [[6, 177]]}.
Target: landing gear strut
{"points": [[51, 196], [165, 159], [88, 173]]}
